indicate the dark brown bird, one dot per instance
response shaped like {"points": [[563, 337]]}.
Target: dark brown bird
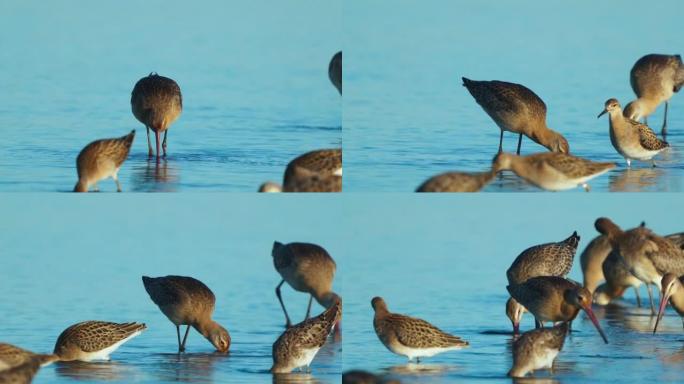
{"points": [[335, 71], [188, 301], [537, 349], [551, 298], [157, 102], [654, 79], [672, 292], [646, 255], [306, 268], [515, 108], [298, 345], [102, 159]]}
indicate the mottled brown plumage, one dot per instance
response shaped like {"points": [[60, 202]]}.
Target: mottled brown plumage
{"points": [[157, 102], [552, 171], [335, 71], [315, 171], [409, 336], [677, 239], [322, 161], [306, 268], [102, 159], [94, 340], [632, 140], [654, 79], [21, 374], [457, 182], [549, 259], [12, 356], [188, 301], [552, 298], [298, 345], [537, 349], [515, 108]]}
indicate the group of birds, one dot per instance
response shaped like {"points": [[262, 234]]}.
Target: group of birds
{"points": [[515, 108], [306, 267], [537, 283], [156, 101]]}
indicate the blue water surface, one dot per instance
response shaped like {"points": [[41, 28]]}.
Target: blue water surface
{"points": [[444, 259], [68, 259], [408, 117], [254, 78]]}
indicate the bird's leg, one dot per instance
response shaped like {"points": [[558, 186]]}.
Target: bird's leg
{"points": [[417, 360], [538, 324], [164, 143], [629, 163], [179, 341], [116, 179], [570, 326], [288, 324], [646, 120], [156, 136], [653, 163], [650, 297], [149, 143], [664, 130], [501, 142], [638, 298], [185, 338], [519, 143], [308, 309]]}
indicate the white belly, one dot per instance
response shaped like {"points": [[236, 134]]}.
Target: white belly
{"points": [[104, 353], [412, 353], [304, 359]]}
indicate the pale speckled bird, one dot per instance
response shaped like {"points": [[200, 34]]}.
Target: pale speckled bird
{"points": [[552, 171], [102, 159], [537, 349], [314, 171], [298, 345], [409, 336], [631, 139], [94, 340]]}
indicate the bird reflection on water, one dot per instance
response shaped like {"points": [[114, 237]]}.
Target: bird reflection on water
{"points": [[155, 176]]}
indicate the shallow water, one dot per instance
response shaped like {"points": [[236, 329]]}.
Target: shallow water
{"points": [[69, 260], [254, 78], [445, 262], [407, 116]]}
